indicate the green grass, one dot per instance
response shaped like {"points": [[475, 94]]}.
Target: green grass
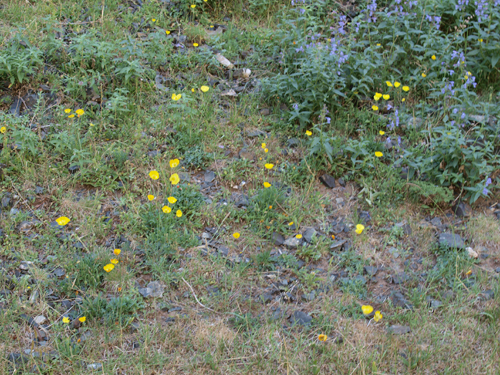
{"points": [[225, 309]]}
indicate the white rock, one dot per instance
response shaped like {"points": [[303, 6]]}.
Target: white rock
{"points": [[472, 253], [224, 61], [40, 319]]}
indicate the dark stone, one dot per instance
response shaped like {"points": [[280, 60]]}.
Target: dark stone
{"points": [[497, 270], [451, 241], [300, 317], [38, 190], [365, 216], [328, 181], [265, 112], [18, 359], [337, 245], [398, 330], [461, 209], [15, 108], [399, 300], [240, 200], [487, 295], [256, 133], [278, 239], [309, 234], [400, 278], [341, 182], [292, 142], [59, 272], [154, 153], [370, 270], [436, 222], [73, 169], [154, 289], [170, 320]]}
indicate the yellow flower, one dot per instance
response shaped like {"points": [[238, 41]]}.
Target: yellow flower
{"points": [[67, 110], [176, 97], [236, 235], [151, 197], [378, 154], [62, 221], [154, 20], [65, 320], [374, 107], [166, 209], [263, 145], [195, 44], [117, 251], [113, 261], [171, 200], [403, 100], [377, 96], [388, 83], [266, 150], [386, 97], [174, 163], [3, 129], [397, 84], [322, 337], [167, 32], [174, 179], [109, 267], [91, 124], [267, 184], [359, 228], [193, 6], [381, 132], [378, 315], [433, 57], [80, 112], [82, 319], [154, 175], [269, 166], [71, 116], [178, 213], [378, 44], [367, 309], [192, 90], [308, 133], [480, 40], [290, 223], [298, 236], [424, 75], [406, 88], [204, 88]]}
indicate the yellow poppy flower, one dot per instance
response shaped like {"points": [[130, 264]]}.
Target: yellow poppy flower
{"points": [[290, 223], [80, 112], [167, 32], [67, 110], [266, 150], [113, 261], [154, 175], [322, 337], [367, 309], [298, 236], [269, 166], [388, 83], [63, 220], [151, 197], [377, 96], [82, 319], [263, 145], [195, 44], [109, 267], [403, 100], [386, 97], [406, 88], [204, 88], [193, 6], [3, 129], [174, 163], [236, 235], [176, 97], [308, 133], [397, 84], [374, 107], [378, 154], [166, 209], [117, 251], [178, 213], [65, 320], [480, 40], [433, 57], [378, 315], [71, 116], [360, 228], [267, 184], [174, 179], [424, 75], [154, 20], [381, 132], [171, 200]]}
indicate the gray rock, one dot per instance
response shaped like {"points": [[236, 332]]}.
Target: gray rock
{"points": [[398, 330], [292, 242], [309, 296], [240, 200], [451, 240], [154, 289], [209, 176], [434, 303], [370, 270], [497, 270], [94, 366], [487, 295], [256, 133], [18, 359], [399, 300], [337, 245], [40, 319], [278, 239], [309, 234], [292, 142], [341, 182], [265, 112], [300, 317], [394, 252], [328, 181], [477, 118], [436, 222], [462, 209]]}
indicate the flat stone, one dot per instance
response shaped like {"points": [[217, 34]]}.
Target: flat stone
{"points": [[337, 245], [394, 252], [462, 209], [309, 234], [328, 181], [300, 317], [292, 142], [154, 289], [256, 133], [370, 270], [398, 330], [240, 200], [265, 112], [487, 295], [451, 240], [278, 239], [399, 300], [292, 242], [94, 366], [436, 222], [40, 319], [209, 176]]}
